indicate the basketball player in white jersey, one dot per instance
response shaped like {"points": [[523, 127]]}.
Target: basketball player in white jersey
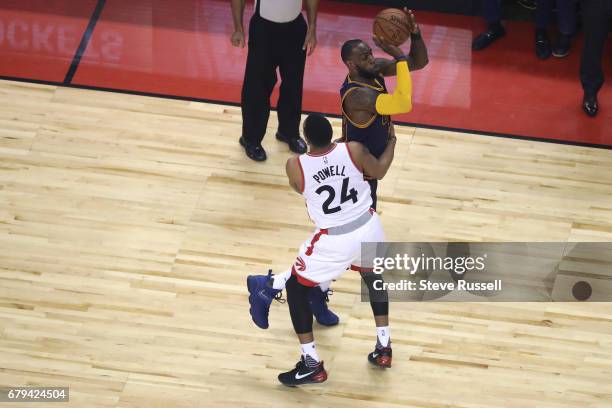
{"points": [[330, 177]]}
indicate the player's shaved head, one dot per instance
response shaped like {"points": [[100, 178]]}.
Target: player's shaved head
{"points": [[348, 48], [318, 130], [358, 58]]}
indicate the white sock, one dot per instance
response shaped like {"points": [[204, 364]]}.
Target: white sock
{"points": [[383, 335], [325, 286], [310, 354], [279, 281]]}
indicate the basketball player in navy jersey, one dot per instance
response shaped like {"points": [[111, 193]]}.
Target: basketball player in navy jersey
{"points": [[366, 103], [367, 107], [330, 177]]}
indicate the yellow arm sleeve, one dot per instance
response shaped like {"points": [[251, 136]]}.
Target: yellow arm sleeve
{"points": [[401, 99]]}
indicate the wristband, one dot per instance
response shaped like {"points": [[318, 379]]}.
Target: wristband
{"points": [[401, 58]]}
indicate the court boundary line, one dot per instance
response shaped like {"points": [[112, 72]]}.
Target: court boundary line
{"points": [[333, 115], [76, 60]]}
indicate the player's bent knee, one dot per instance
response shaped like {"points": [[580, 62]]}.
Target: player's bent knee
{"points": [[379, 297]]}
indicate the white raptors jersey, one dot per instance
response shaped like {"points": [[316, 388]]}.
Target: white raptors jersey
{"points": [[334, 188]]}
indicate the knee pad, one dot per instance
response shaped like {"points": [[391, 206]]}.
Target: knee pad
{"points": [[379, 299], [299, 306]]}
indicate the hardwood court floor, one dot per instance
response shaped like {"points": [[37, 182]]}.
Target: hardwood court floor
{"points": [[128, 225]]}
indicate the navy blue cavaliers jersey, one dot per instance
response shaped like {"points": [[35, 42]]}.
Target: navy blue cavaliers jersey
{"points": [[375, 132]]}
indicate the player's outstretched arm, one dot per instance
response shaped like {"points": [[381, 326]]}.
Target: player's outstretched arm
{"points": [[418, 58], [370, 165], [294, 174], [363, 102], [400, 101]]}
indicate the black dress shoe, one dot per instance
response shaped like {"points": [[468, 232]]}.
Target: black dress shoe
{"points": [[296, 144], [543, 48], [487, 38], [254, 152], [590, 105], [562, 46]]}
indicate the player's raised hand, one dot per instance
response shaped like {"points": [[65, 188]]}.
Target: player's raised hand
{"points": [[387, 47], [237, 39], [413, 27]]}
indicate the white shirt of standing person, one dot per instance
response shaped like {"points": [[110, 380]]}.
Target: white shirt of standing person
{"points": [[280, 11]]}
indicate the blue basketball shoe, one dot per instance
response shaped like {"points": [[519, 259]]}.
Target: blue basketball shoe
{"points": [[318, 303], [261, 295]]}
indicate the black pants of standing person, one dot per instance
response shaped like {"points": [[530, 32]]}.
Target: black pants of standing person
{"points": [[271, 46], [597, 20]]}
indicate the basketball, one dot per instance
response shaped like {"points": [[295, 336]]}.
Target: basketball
{"points": [[392, 25]]}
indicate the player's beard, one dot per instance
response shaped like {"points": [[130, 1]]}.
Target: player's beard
{"points": [[367, 74]]}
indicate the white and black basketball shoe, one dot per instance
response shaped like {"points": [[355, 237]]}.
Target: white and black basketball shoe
{"points": [[306, 371]]}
